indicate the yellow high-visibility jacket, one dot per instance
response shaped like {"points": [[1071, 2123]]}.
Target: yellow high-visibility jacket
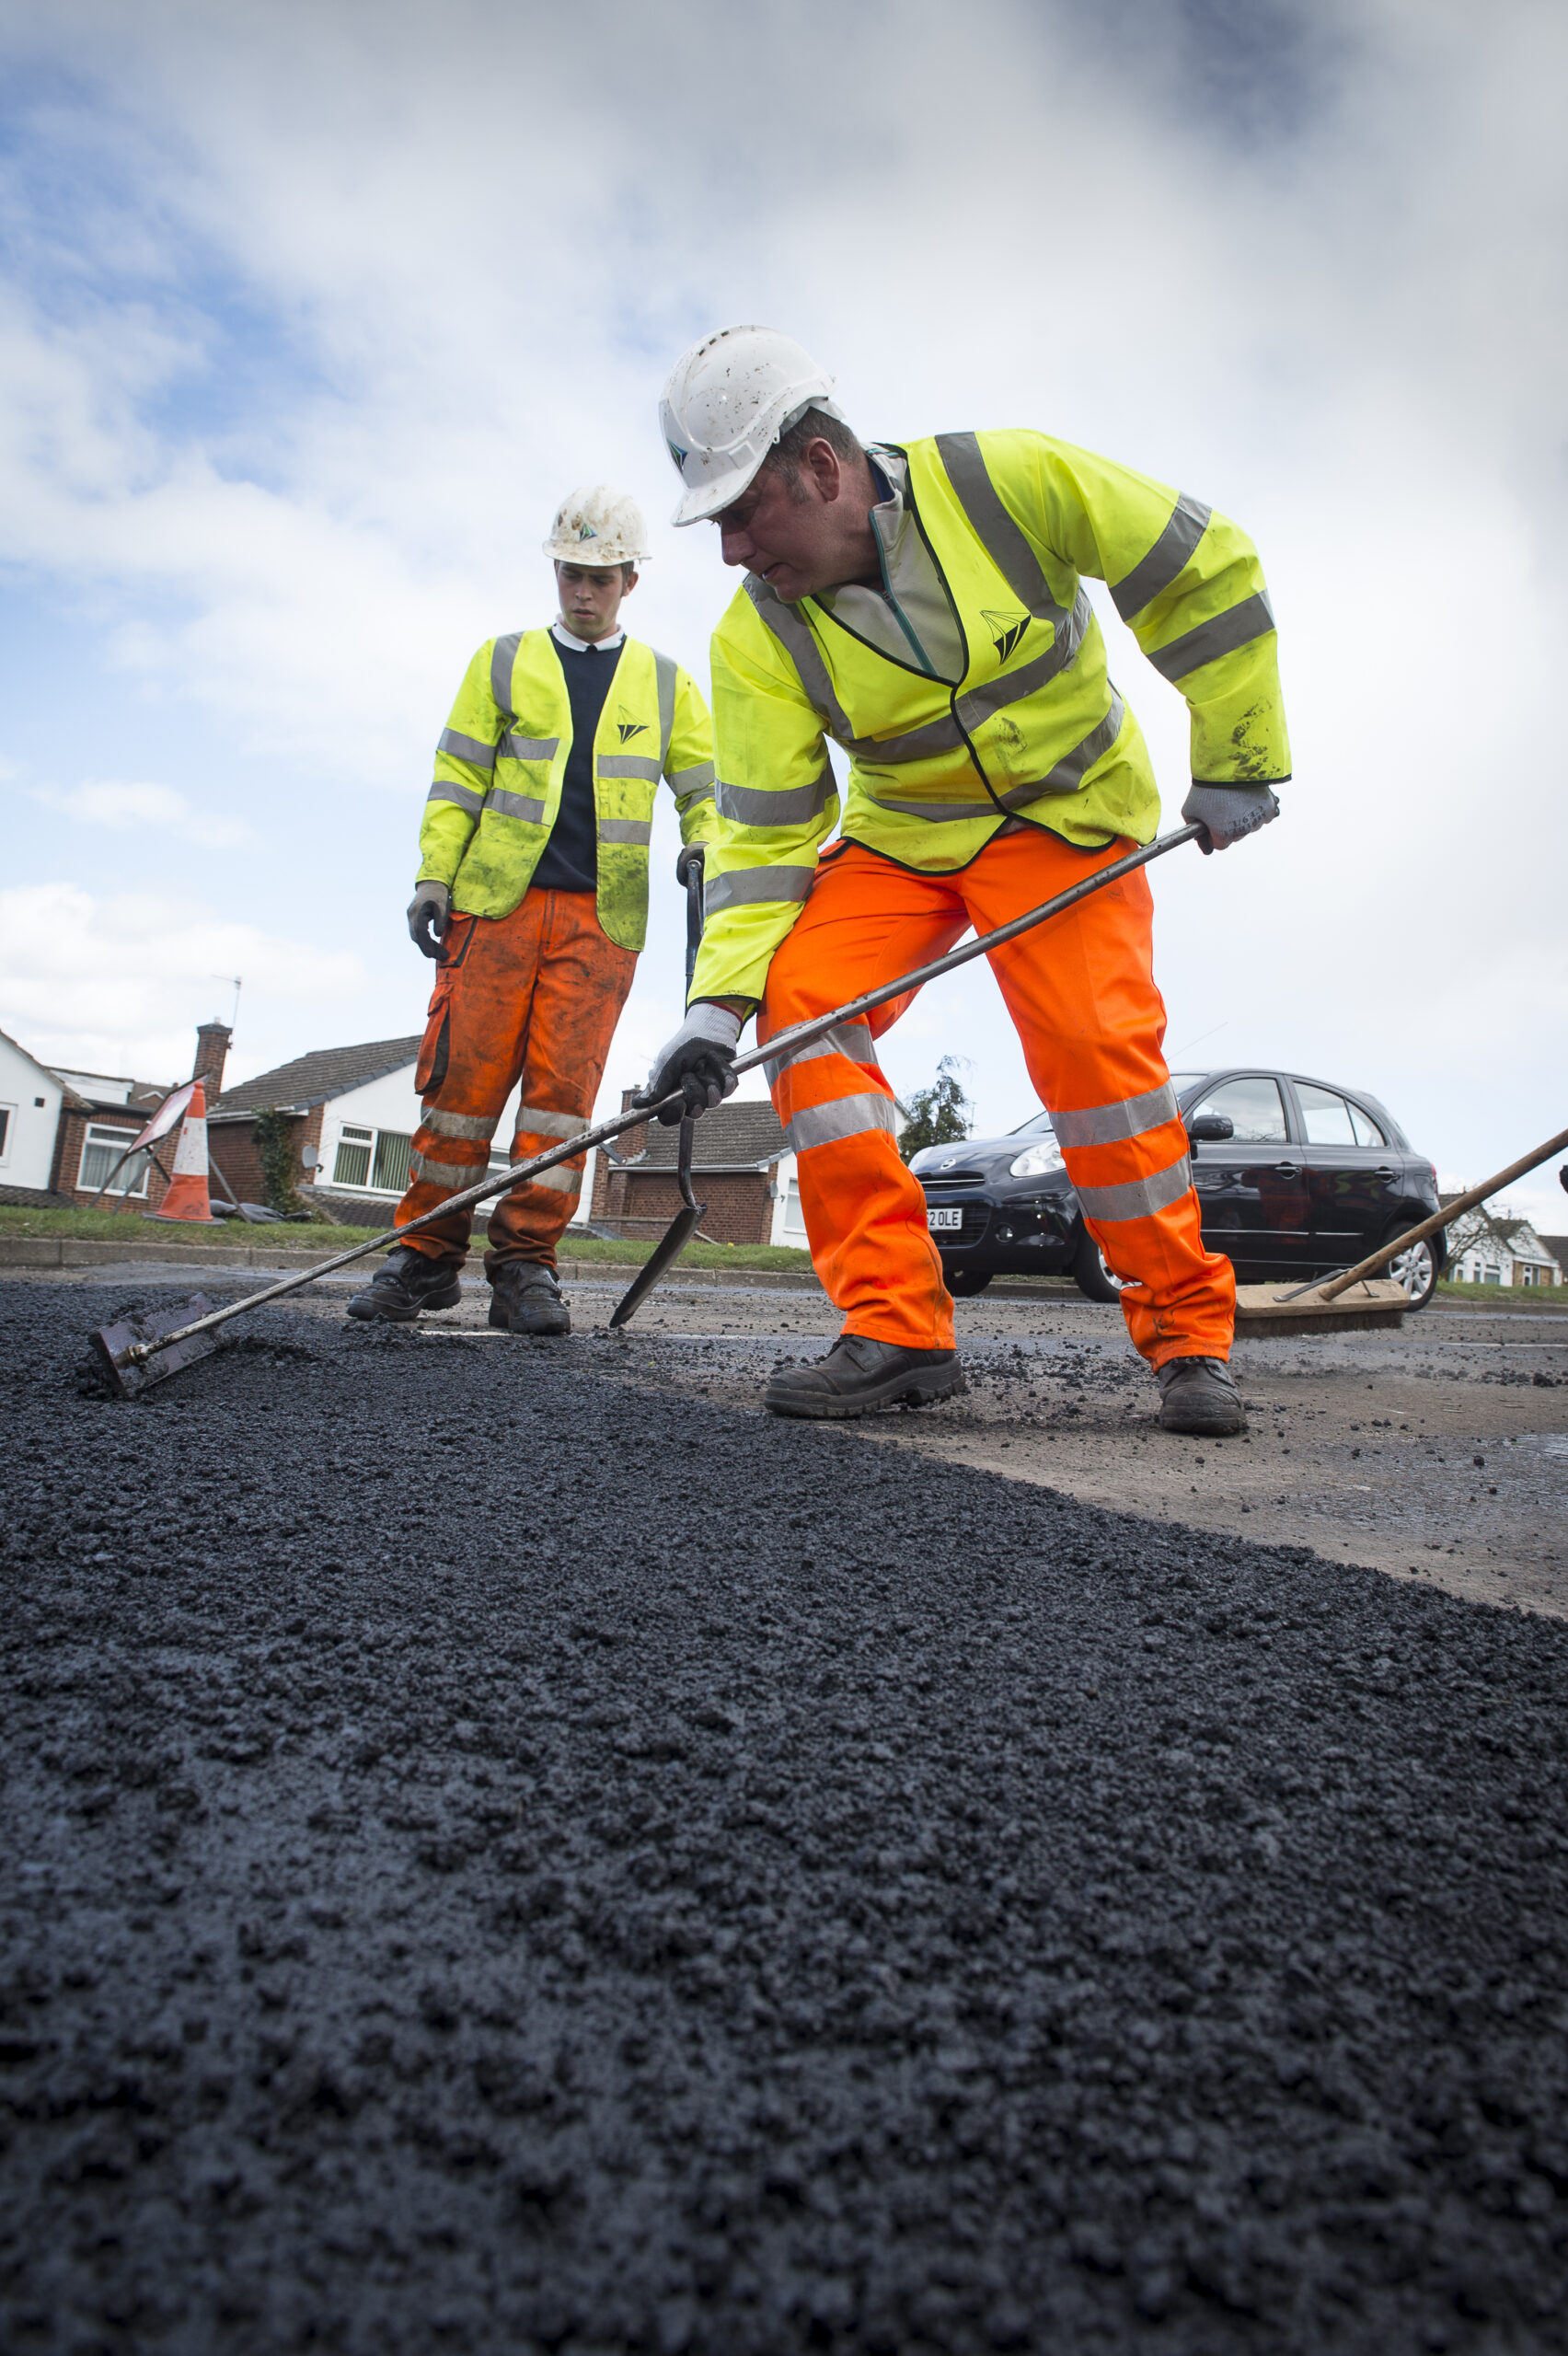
{"points": [[502, 756], [977, 691]]}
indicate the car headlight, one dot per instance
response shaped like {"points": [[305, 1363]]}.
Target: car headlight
{"points": [[1036, 1160]]}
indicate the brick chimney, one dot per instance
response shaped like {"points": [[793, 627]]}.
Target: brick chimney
{"points": [[212, 1051]]}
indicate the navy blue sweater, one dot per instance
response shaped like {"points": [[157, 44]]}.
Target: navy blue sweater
{"points": [[570, 859]]}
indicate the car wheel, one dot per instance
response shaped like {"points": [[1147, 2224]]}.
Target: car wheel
{"points": [[1417, 1270], [1092, 1273], [963, 1283]]}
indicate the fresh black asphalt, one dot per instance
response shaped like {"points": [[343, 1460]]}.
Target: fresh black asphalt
{"points": [[502, 1856]]}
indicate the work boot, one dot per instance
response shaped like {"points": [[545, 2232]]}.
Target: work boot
{"points": [[406, 1282], [525, 1299], [1199, 1395], [859, 1374]]}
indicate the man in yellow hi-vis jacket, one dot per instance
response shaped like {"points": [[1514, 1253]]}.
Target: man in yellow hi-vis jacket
{"points": [[922, 605], [533, 894]]}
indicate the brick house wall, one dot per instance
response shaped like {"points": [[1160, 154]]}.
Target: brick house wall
{"points": [[638, 1202]]}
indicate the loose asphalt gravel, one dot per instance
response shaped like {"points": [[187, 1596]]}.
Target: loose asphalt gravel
{"points": [[502, 1856]]}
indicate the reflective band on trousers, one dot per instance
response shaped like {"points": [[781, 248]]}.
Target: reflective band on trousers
{"points": [[797, 805], [478, 1126], [1170, 556], [749, 884], [565, 1179], [536, 1121], [1221, 634], [851, 1039], [456, 1174], [845, 1116], [467, 748], [1139, 1198], [445, 789], [1109, 1124]]}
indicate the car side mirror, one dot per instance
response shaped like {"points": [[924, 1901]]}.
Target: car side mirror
{"points": [[1210, 1128]]}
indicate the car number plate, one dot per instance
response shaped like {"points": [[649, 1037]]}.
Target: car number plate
{"points": [[948, 1222]]}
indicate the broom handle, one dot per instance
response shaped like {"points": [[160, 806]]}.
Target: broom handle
{"points": [[1455, 1210], [783, 1043]]}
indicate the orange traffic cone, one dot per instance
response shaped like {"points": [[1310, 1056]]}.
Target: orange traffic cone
{"points": [[187, 1198]]}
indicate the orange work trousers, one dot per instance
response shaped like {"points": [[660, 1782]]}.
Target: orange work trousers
{"points": [[532, 997], [1080, 991]]}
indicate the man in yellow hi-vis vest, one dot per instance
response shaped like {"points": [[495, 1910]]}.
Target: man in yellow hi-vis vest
{"points": [[533, 894], [922, 605]]}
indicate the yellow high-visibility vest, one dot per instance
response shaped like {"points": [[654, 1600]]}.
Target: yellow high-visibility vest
{"points": [[1028, 724], [502, 757]]}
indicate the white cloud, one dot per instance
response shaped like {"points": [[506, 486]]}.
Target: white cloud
{"points": [[119, 984], [119, 807]]}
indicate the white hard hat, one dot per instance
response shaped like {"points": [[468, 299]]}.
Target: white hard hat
{"points": [[598, 526], [726, 401]]}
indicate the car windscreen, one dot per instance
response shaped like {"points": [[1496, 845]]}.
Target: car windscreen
{"points": [[1036, 1127]]}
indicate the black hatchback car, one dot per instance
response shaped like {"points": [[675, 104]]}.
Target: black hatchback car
{"points": [[1294, 1178]]}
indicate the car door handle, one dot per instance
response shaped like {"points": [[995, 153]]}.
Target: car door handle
{"points": [[1287, 1168], [1385, 1170]]}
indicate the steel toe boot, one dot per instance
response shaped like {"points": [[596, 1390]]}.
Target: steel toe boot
{"points": [[406, 1282], [859, 1375], [1199, 1395], [525, 1299]]}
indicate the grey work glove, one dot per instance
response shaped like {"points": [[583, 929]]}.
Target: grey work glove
{"points": [[428, 912], [1227, 812], [697, 1061]]}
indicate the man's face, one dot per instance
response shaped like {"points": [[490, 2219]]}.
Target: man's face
{"points": [[802, 538], [591, 598]]}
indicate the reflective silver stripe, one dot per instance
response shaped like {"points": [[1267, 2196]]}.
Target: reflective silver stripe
{"points": [[691, 780], [446, 788], [515, 805], [626, 830], [747, 884], [457, 1124], [797, 805], [528, 748], [667, 673], [1170, 556], [1000, 534], [1066, 778], [1221, 634], [629, 765], [565, 1179], [701, 793], [1071, 770], [503, 660], [847, 1116], [851, 1039], [1109, 1124], [537, 1121], [805, 654], [455, 1175], [467, 748], [1140, 1198]]}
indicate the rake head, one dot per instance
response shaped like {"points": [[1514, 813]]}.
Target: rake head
{"points": [[130, 1376]]}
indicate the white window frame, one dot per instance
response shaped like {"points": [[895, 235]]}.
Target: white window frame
{"points": [[99, 1133], [356, 1134], [7, 1130]]}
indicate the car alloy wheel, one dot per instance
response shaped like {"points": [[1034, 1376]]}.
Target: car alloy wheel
{"points": [[1094, 1277], [1416, 1269]]}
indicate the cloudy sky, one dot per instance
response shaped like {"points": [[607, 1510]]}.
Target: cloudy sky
{"points": [[313, 312]]}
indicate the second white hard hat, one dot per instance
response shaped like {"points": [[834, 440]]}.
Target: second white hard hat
{"points": [[598, 526], [726, 401]]}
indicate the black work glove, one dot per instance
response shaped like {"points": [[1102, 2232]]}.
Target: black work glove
{"points": [[429, 911], [698, 1061], [1226, 813]]}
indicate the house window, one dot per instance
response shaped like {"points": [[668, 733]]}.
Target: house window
{"points": [[101, 1148], [376, 1160], [6, 1112]]}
